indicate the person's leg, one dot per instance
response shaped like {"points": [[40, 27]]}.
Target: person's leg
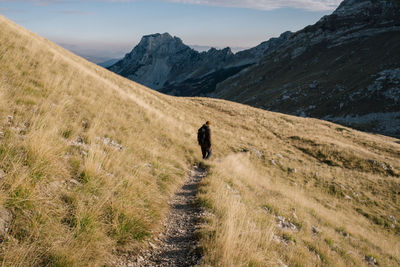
{"points": [[209, 152], [204, 151]]}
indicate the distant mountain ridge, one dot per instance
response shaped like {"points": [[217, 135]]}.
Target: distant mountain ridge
{"points": [[165, 63]]}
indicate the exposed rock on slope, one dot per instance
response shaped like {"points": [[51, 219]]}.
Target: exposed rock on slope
{"points": [[343, 68], [164, 63]]}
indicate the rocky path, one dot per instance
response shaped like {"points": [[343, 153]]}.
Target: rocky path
{"points": [[178, 244]]}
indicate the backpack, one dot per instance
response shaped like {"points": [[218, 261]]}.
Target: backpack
{"points": [[201, 135]]}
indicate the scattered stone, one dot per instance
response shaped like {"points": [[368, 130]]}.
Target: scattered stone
{"points": [[231, 189], [279, 156], [84, 153], [294, 215], [1, 134], [285, 224], [281, 263], [267, 209], [5, 218], [343, 233], [313, 85], [10, 119], [110, 142], [391, 217], [381, 165], [55, 185], [79, 142], [315, 230], [272, 162], [85, 125], [109, 174], [75, 182], [292, 170], [2, 174], [152, 245], [257, 152], [347, 197], [371, 260], [276, 238], [22, 130]]}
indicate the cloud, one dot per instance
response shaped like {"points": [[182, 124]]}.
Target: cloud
{"points": [[313, 5], [36, 2]]}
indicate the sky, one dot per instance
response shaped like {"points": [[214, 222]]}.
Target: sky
{"points": [[111, 28]]}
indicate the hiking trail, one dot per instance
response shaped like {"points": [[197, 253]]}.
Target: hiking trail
{"points": [[177, 245]]}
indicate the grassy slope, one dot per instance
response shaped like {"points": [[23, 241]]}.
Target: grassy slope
{"points": [[75, 199]]}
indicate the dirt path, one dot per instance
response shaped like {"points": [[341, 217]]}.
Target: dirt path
{"points": [[178, 244]]}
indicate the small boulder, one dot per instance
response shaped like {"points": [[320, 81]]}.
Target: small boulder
{"points": [[84, 153], [258, 153], [371, 260], [282, 264], [10, 119], [285, 224], [75, 182], [2, 174], [5, 218], [315, 230], [79, 140], [85, 124]]}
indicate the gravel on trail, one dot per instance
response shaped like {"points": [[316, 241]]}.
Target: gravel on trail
{"points": [[178, 244]]}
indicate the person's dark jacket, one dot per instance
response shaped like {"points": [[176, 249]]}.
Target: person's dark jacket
{"points": [[204, 136]]}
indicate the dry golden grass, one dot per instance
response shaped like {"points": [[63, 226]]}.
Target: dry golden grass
{"points": [[76, 198]]}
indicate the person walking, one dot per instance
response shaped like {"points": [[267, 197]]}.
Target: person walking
{"points": [[204, 139]]}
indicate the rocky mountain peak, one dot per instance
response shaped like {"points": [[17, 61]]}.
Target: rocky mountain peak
{"points": [[161, 60], [352, 6], [349, 7], [223, 52], [151, 43]]}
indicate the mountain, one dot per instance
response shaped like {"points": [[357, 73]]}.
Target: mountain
{"points": [[164, 63], [109, 62], [89, 162], [345, 68]]}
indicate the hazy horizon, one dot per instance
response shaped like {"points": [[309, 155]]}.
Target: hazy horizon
{"points": [[111, 28]]}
